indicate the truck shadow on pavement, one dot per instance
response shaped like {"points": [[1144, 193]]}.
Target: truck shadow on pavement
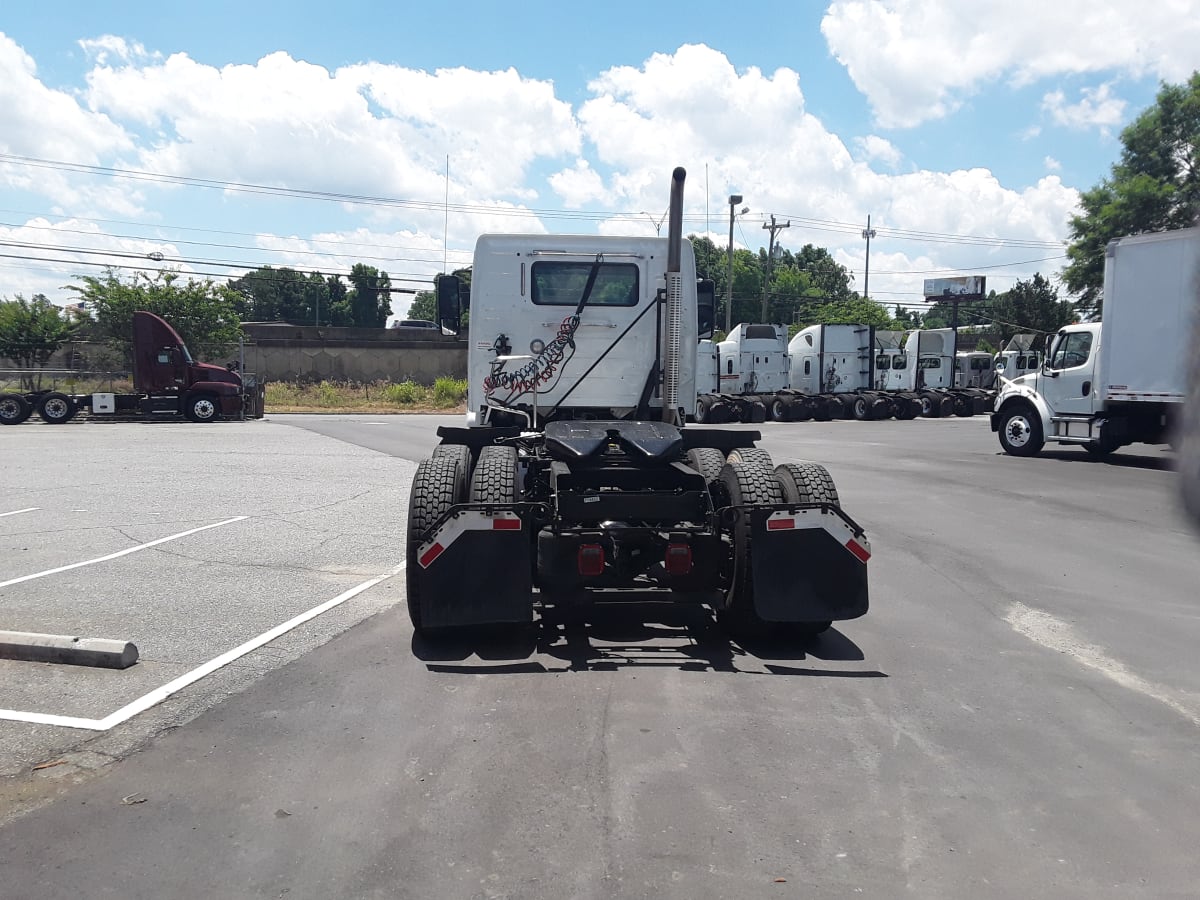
{"points": [[1162, 461], [608, 638]]}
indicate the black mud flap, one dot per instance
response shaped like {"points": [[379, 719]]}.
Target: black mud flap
{"points": [[475, 569], [809, 564]]}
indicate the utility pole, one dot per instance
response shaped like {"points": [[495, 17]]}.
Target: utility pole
{"points": [[868, 233], [770, 254]]}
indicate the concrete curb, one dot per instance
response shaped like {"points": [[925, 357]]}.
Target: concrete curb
{"points": [[71, 651]]}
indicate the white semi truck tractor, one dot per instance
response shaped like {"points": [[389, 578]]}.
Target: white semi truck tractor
{"points": [[1122, 380], [574, 479]]}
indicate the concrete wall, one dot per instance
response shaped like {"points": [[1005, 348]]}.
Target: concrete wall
{"points": [[307, 353]]}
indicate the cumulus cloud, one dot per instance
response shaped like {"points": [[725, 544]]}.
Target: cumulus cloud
{"points": [[1052, 164], [108, 46], [757, 139], [1097, 108], [38, 121], [917, 60], [369, 129], [874, 148]]}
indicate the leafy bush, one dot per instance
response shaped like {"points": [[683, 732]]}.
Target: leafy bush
{"points": [[449, 391]]}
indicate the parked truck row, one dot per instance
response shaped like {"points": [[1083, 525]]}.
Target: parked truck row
{"points": [[167, 381], [848, 371]]}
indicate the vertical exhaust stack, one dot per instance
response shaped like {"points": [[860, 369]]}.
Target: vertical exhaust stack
{"points": [[674, 329]]}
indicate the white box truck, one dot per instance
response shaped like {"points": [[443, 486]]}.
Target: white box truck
{"points": [[1123, 380]]}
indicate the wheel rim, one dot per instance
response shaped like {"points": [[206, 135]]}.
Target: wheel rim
{"points": [[55, 408], [204, 409], [926, 406], [1017, 431], [9, 409]]}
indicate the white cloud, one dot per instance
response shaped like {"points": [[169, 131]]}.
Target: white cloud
{"points": [[101, 49], [1097, 108], [921, 59], [1052, 164], [758, 140], [37, 121], [872, 147], [578, 185], [369, 129]]}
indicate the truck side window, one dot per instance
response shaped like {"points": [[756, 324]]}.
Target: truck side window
{"points": [[164, 357], [1073, 351], [729, 366], [807, 366], [881, 361], [899, 362]]}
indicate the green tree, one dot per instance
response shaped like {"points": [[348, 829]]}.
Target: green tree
{"points": [[1155, 186], [203, 312], [424, 304], [854, 310], [369, 299], [31, 331]]}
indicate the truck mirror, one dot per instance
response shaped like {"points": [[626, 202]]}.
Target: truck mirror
{"points": [[706, 307], [449, 304]]}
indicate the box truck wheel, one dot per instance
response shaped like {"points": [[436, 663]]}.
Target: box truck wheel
{"points": [[495, 476], [434, 488], [14, 409], [1021, 430], [55, 408], [744, 484], [201, 408]]}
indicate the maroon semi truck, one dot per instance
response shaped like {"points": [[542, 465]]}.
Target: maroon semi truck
{"points": [[166, 381]]}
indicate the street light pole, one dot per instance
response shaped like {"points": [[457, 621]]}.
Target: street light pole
{"points": [[868, 233], [656, 222], [734, 200]]}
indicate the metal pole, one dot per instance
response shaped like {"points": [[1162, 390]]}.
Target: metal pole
{"points": [[734, 200]]}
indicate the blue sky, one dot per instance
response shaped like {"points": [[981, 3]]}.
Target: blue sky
{"points": [[965, 129]]}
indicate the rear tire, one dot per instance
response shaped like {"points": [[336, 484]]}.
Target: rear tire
{"points": [[702, 407], [55, 408], [495, 477], [744, 484], [438, 482], [708, 461], [462, 454], [860, 409], [14, 409], [780, 411], [754, 458], [806, 483]]}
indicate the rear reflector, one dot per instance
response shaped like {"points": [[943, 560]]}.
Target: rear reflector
{"points": [[858, 550], [590, 560], [431, 554], [780, 524], [678, 560], [513, 524]]}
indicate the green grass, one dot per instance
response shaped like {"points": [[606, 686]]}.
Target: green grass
{"points": [[379, 396]]}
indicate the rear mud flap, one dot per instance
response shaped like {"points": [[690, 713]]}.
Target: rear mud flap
{"points": [[808, 565], [474, 569]]}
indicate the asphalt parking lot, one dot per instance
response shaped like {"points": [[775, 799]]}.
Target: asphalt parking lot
{"points": [[191, 541]]}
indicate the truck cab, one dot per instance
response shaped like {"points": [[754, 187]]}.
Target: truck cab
{"points": [[754, 359]]}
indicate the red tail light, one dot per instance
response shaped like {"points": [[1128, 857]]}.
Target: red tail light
{"points": [[678, 560], [590, 560]]}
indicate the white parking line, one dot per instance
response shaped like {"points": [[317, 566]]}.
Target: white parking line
{"points": [[17, 512], [160, 694], [1055, 634], [119, 553]]}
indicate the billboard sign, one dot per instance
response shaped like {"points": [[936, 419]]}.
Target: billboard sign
{"points": [[960, 288]]}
